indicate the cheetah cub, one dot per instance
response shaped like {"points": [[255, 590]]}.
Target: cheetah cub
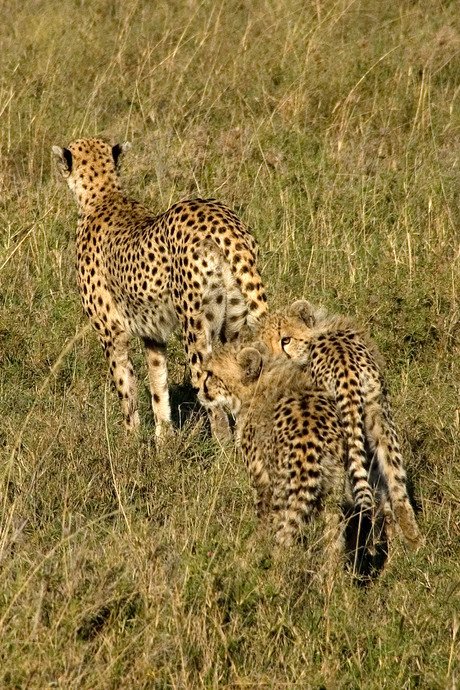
{"points": [[341, 357], [290, 436], [142, 274]]}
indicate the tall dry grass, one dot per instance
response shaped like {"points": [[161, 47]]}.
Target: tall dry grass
{"points": [[332, 128]]}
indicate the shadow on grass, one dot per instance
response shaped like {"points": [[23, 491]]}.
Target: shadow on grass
{"points": [[366, 545], [185, 405]]}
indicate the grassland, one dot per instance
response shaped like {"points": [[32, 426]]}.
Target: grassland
{"points": [[332, 129]]}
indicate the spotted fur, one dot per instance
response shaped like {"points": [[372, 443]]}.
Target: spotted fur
{"points": [[289, 435], [341, 357], [141, 275]]}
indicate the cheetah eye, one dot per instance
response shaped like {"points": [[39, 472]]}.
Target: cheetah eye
{"points": [[285, 341]]}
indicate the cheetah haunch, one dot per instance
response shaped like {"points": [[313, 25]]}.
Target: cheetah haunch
{"points": [[341, 358], [141, 274], [290, 436]]}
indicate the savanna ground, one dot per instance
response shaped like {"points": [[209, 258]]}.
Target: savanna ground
{"points": [[332, 129]]}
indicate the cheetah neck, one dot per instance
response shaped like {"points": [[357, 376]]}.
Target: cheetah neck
{"points": [[92, 197]]}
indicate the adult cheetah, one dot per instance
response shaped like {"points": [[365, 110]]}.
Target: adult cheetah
{"points": [[143, 274], [340, 357], [289, 435]]}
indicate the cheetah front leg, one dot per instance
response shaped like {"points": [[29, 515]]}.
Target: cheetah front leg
{"points": [[158, 381], [261, 481], [121, 370], [297, 493]]}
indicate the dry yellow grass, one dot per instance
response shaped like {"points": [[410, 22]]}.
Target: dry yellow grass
{"points": [[332, 128]]}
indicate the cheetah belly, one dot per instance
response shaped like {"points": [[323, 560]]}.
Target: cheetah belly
{"points": [[155, 319]]}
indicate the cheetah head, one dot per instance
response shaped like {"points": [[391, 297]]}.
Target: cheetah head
{"points": [[90, 166], [286, 331], [229, 376]]}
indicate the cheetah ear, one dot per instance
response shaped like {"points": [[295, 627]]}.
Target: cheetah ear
{"points": [[118, 150], [303, 310], [64, 160], [250, 360]]}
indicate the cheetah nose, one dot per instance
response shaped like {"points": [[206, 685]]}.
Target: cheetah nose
{"points": [[201, 382], [202, 378], [203, 396]]}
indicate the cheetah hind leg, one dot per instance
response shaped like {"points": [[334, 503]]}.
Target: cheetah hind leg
{"points": [[158, 381], [334, 527], [298, 509], [236, 313], [384, 443], [121, 370], [210, 314]]}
